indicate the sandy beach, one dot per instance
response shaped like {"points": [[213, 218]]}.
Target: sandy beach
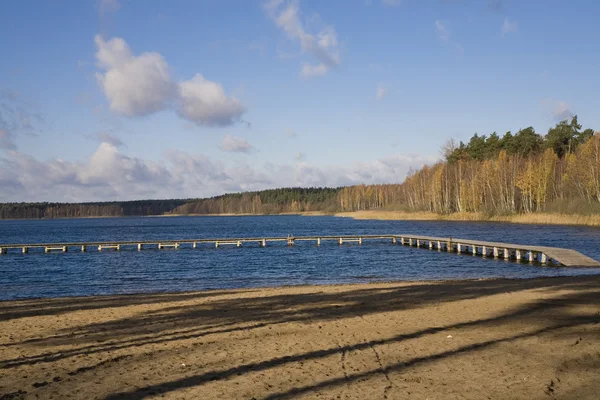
{"points": [[486, 339]]}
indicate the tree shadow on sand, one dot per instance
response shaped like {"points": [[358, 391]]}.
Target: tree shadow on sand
{"points": [[176, 322]]}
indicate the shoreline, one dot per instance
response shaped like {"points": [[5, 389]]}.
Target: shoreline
{"points": [[592, 220], [280, 287], [299, 213], [522, 338], [526, 219]]}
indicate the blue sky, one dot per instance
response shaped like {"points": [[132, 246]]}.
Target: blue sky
{"points": [[115, 99]]}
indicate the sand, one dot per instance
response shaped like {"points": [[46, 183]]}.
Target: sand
{"points": [[486, 339]]}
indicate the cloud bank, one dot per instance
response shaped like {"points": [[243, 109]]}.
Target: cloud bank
{"points": [[109, 174]]}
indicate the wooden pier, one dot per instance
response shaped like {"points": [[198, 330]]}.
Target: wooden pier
{"points": [[515, 252]]}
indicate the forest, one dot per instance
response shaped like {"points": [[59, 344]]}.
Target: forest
{"points": [[524, 172], [521, 173]]}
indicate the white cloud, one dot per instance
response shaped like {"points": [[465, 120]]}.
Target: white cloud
{"points": [[509, 26], [109, 174], [442, 31], [108, 6], [134, 86], [108, 164], [381, 92], [322, 45], [205, 103], [236, 145], [141, 85]]}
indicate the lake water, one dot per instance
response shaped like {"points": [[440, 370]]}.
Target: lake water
{"points": [[92, 273]]}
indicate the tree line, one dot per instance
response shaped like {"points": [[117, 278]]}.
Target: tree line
{"points": [[271, 201], [83, 210], [523, 172]]}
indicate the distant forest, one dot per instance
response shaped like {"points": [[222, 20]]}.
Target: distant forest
{"points": [[273, 201], [82, 210], [524, 172]]}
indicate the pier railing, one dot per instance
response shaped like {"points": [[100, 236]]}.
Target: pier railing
{"points": [[485, 249]]}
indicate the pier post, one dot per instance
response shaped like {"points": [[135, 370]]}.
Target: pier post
{"points": [[118, 247], [99, 248], [216, 245], [484, 251], [318, 241], [177, 246], [340, 241], [402, 240], [83, 248], [418, 243], [506, 254], [160, 246], [543, 258], [474, 250], [430, 245], [449, 247], [3, 250], [239, 243], [518, 255], [65, 249], [495, 252], [410, 242], [264, 243], [194, 245], [394, 240], [531, 256], [46, 250], [140, 246], [290, 242], [25, 250], [439, 245], [359, 240], [458, 248]]}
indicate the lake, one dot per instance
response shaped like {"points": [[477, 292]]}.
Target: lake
{"points": [[129, 271]]}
